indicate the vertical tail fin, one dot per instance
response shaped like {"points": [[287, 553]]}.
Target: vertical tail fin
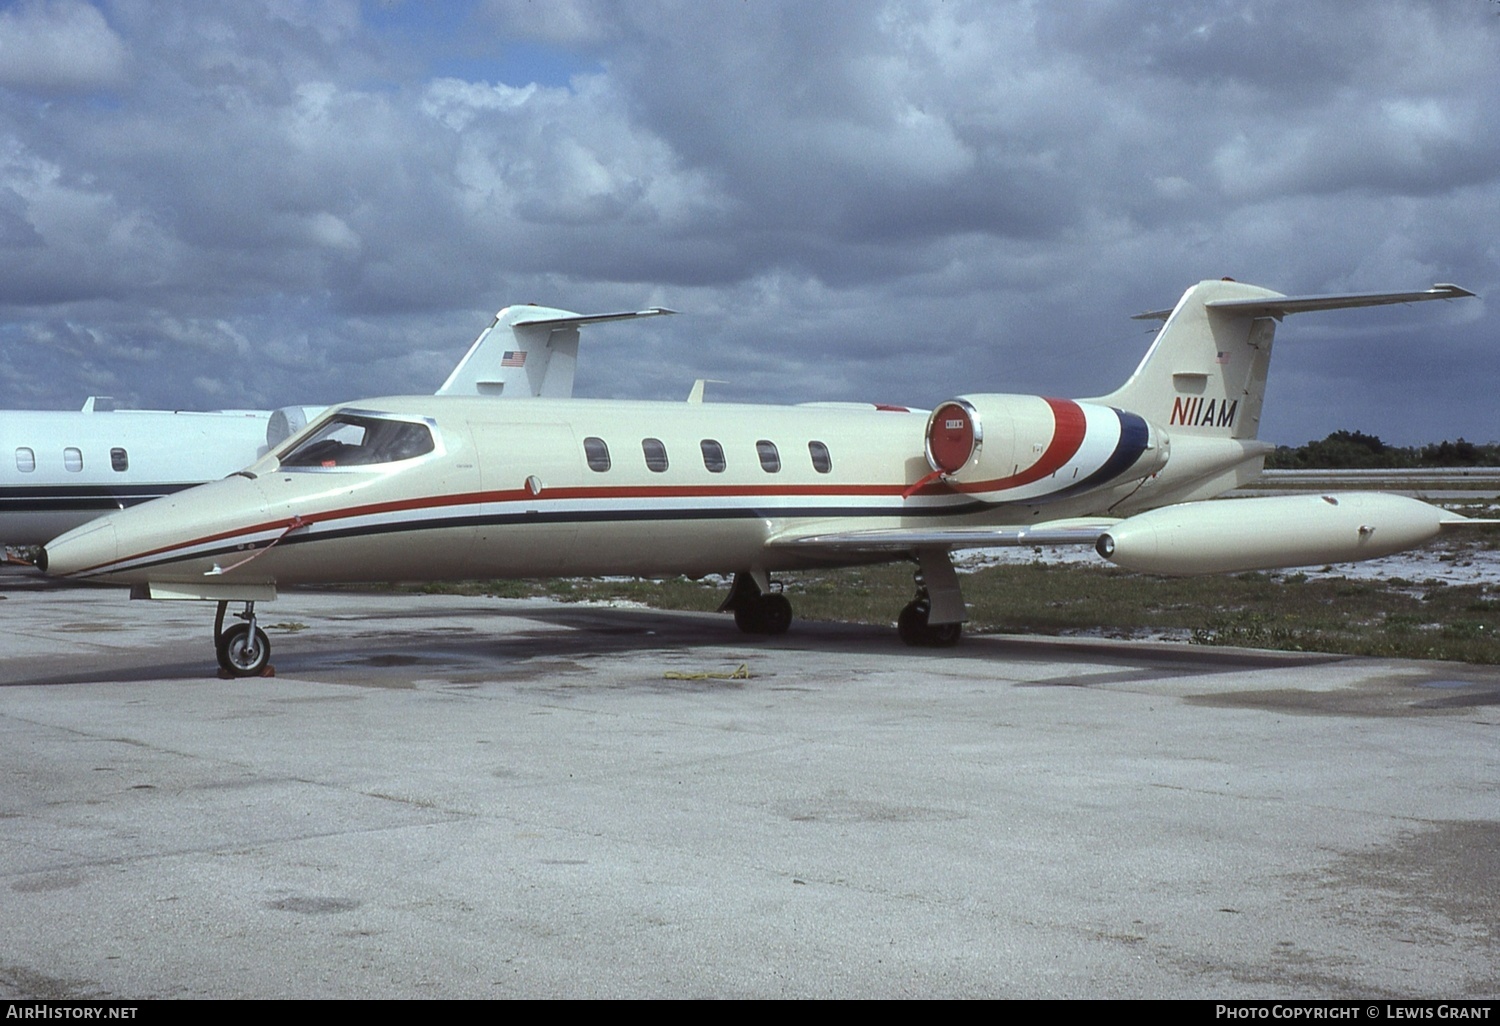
{"points": [[541, 358], [1205, 375]]}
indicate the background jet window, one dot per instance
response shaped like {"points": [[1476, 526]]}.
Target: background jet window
{"points": [[822, 462], [119, 459], [656, 454], [713, 455], [770, 459], [597, 454], [72, 460], [25, 460]]}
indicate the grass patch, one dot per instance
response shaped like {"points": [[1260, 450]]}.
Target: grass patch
{"points": [[1397, 618]]}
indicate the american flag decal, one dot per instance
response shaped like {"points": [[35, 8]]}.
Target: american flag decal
{"points": [[1223, 357], [513, 358]]}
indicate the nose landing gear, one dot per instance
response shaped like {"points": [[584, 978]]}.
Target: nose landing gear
{"points": [[243, 649]]}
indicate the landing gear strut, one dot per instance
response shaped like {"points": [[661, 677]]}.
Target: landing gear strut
{"points": [[243, 649], [757, 611], [937, 589]]}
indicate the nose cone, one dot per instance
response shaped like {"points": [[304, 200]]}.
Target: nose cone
{"points": [[164, 538], [94, 544]]}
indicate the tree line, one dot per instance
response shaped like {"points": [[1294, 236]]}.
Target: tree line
{"points": [[1355, 450]]}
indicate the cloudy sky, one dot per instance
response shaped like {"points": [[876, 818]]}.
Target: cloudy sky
{"points": [[213, 204]]}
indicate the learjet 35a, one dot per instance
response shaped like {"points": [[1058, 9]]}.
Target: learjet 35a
{"points": [[430, 488]]}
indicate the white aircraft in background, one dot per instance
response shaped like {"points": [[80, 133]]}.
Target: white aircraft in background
{"points": [[62, 469], [447, 487]]}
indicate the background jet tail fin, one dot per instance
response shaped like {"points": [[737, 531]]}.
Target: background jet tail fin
{"points": [[1205, 374], [537, 357]]}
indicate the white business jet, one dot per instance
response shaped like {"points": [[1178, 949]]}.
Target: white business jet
{"points": [[446, 487]]}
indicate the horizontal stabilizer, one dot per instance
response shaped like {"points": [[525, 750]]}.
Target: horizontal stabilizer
{"points": [[1279, 306], [655, 311]]}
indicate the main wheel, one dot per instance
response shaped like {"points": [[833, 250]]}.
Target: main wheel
{"points": [[914, 629], [912, 623], [749, 617], [242, 654], [763, 614], [775, 614], [944, 635]]}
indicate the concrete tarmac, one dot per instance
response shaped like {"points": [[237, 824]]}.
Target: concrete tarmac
{"points": [[440, 796]]}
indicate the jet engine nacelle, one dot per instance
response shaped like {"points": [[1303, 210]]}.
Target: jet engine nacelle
{"points": [[1031, 448], [1270, 533]]}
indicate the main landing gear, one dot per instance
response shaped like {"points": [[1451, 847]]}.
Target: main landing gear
{"points": [[933, 619], [914, 628], [757, 610], [243, 649]]}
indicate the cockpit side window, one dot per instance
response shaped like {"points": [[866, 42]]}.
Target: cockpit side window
{"points": [[348, 440]]}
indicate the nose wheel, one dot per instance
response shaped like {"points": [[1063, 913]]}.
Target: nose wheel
{"points": [[243, 649]]}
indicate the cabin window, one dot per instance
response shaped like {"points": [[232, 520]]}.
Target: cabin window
{"points": [[25, 460], [770, 459], [822, 461], [72, 460], [350, 440], [119, 459], [656, 454], [597, 453], [713, 456]]}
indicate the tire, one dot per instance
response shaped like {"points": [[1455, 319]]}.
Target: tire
{"points": [[241, 655], [749, 617], [775, 614], [912, 623], [914, 629], [944, 635]]}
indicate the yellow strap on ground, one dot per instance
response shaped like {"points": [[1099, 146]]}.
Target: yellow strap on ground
{"points": [[743, 673]]}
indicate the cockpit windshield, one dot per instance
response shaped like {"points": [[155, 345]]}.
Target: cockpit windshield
{"points": [[350, 440]]}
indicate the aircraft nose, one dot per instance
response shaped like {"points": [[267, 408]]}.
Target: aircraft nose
{"points": [[80, 549]]}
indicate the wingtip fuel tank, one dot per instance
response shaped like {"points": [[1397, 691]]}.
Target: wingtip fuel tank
{"points": [[1268, 533]]}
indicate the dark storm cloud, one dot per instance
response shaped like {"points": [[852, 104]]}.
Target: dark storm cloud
{"points": [[252, 204]]}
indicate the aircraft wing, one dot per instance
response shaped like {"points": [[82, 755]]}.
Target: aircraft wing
{"points": [[1279, 306], [1079, 531]]}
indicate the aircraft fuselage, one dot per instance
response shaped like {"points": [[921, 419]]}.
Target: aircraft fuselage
{"points": [[597, 487]]}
